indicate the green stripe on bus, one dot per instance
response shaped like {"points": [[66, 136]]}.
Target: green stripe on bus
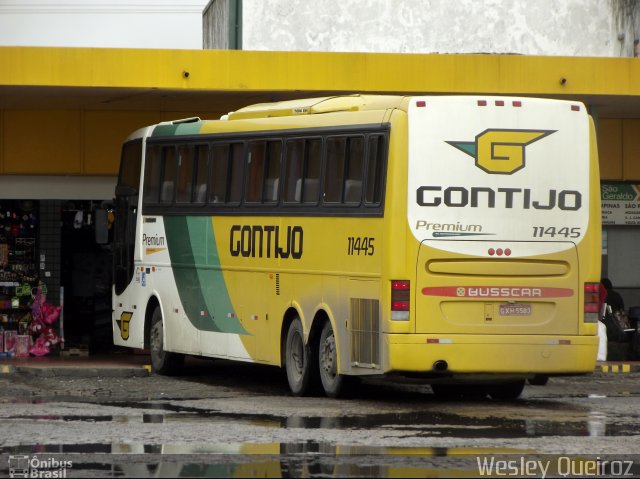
{"points": [[198, 275]]}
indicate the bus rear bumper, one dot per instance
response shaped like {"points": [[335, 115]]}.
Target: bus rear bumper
{"points": [[491, 354]]}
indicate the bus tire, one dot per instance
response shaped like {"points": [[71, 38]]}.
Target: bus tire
{"points": [[162, 362], [334, 384], [506, 391], [299, 362]]}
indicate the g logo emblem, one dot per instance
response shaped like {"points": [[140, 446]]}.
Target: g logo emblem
{"points": [[123, 324], [498, 151]]}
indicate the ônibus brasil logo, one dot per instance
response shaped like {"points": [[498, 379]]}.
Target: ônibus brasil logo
{"points": [[500, 151]]}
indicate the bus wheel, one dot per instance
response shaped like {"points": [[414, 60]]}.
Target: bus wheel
{"points": [[333, 383], [298, 360], [505, 391], [162, 362]]}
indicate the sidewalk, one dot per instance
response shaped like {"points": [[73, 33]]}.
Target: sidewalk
{"points": [[138, 365], [113, 365]]}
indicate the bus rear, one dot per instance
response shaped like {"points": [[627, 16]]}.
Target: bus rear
{"points": [[503, 213]]}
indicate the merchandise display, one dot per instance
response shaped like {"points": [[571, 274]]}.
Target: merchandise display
{"points": [[24, 314]]}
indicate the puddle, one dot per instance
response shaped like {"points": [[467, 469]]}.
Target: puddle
{"points": [[418, 424], [308, 459]]}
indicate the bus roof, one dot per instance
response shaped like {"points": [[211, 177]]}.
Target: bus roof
{"points": [[310, 106]]}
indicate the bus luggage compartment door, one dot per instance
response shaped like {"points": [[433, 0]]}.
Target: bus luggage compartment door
{"points": [[470, 294]]}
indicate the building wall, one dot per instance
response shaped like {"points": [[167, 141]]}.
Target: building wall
{"points": [[97, 23], [541, 27], [216, 25]]}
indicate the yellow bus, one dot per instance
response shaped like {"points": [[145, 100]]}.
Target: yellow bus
{"points": [[455, 238]]}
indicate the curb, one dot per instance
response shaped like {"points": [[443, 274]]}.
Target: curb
{"points": [[77, 372], [617, 368]]}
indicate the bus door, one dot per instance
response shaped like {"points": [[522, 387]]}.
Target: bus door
{"points": [[534, 293], [126, 212]]}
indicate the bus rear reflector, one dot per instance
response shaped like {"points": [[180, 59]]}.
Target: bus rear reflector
{"points": [[400, 297], [591, 302]]}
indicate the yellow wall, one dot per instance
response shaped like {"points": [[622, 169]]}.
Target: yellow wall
{"points": [[70, 142], [631, 149], [54, 150], [77, 142], [619, 149], [70, 138], [237, 70], [610, 149], [104, 132]]}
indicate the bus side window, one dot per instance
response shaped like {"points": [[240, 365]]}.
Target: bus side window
{"points": [[353, 181], [272, 172], [375, 159], [334, 169], [235, 174], [201, 175], [293, 166], [185, 175], [313, 154], [219, 174], [255, 171], [169, 174], [343, 170], [152, 175], [302, 171], [263, 165], [227, 172]]}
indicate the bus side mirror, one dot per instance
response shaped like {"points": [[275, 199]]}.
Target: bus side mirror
{"points": [[101, 226]]}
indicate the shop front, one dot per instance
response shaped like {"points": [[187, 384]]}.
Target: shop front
{"points": [[621, 263], [55, 277]]}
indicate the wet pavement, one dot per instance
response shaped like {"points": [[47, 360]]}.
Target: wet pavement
{"points": [[127, 364], [109, 417]]}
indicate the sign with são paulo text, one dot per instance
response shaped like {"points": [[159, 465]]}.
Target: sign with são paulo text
{"points": [[620, 204]]}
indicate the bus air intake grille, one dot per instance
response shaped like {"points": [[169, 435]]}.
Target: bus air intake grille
{"points": [[364, 331], [277, 284]]}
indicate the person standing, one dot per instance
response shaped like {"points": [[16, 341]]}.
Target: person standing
{"points": [[612, 298]]}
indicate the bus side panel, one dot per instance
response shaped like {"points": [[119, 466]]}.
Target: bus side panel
{"points": [[589, 250], [271, 264]]}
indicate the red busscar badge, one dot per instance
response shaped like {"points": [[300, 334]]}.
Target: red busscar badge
{"points": [[498, 292]]}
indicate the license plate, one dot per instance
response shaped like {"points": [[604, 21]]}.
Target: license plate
{"points": [[519, 309]]}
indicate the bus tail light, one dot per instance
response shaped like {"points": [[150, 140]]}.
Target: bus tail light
{"points": [[400, 297], [591, 302]]}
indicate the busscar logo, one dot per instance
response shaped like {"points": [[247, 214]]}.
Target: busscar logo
{"points": [[499, 151]]}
